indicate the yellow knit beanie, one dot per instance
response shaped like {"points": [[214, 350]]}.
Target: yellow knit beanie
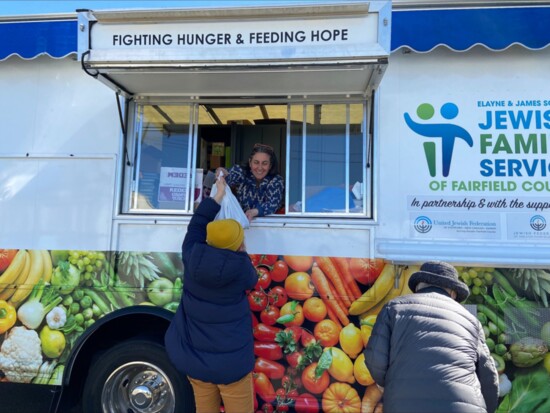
{"points": [[225, 233]]}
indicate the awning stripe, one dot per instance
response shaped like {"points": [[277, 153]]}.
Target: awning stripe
{"points": [[31, 39], [418, 30], [461, 29]]}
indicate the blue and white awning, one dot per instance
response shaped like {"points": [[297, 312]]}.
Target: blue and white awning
{"points": [[31, 39], [417, 30], [461, 29]]}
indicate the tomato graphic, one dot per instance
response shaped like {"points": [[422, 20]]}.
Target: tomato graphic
{"points": [[277, 296], [311, 382], [6, 257], [306, 403], [255, 258], [315, 309], [257, 300], [298, 286], [267, 408], [292, 394], [261, 259], [326, 332], [269, 315], [279, 271], [286, 382], [298, 263], [365, 270], [264, 279]]}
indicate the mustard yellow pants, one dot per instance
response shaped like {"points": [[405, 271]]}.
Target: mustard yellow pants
{"points": [[237, 397]]}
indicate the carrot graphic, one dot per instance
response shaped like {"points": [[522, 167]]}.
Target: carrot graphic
{"points": [[326, 265], [323, 287], [342, 265]]}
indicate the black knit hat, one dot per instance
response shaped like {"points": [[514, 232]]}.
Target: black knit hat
{"points": [[442, 275]]}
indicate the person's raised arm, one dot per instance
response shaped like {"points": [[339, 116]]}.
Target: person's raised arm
{"points": [[220, 187]]}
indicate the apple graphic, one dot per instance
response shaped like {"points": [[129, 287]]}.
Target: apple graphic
{"points": [[160, 291]]}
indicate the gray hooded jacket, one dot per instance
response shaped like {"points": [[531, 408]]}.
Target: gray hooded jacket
{"points": [[429, 354]]}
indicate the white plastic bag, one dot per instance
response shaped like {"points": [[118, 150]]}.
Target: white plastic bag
{"points": [[230, 207]]}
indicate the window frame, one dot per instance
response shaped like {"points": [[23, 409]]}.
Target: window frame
{"points": [[133, 145]]}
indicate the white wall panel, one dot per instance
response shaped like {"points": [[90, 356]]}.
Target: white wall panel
{"points": [[56, 203], [51, 106]]}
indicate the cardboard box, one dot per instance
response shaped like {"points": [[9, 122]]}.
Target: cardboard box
{"points": [[215, 161]]}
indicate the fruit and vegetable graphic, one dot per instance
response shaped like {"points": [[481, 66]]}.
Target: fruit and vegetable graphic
{"points": [[511, 306], [311, 316], [49, 298], [335, 302], [305, 328]]}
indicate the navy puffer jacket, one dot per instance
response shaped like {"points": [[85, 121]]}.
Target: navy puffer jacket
{"points": [[429, 354], [210, 337]]}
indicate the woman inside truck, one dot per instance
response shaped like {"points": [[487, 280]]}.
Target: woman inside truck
{"points": [[257, 183]]}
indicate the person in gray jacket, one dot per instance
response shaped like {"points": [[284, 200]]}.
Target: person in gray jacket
{"points": [[428, 352]]}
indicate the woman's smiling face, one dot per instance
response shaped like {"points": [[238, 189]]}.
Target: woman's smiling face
{"points": [[260, 164]]}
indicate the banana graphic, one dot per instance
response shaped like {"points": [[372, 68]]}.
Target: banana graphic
{"points": [[12, 272], [9, 289], [403, 289], [48, 266], [381, 287], [35, 274]]}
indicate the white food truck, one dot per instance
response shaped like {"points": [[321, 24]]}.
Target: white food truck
{"points": [[404, 132]]}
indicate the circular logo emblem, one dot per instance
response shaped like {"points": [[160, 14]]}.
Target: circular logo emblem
{"points": [[423, 224], [538, 222]]}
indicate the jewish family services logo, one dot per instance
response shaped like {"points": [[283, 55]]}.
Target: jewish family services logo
{"points": [[423, 224], [537, 222], [447, 132]]}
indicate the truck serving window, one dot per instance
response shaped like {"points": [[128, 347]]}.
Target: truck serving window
{"points": [[322, 150]]}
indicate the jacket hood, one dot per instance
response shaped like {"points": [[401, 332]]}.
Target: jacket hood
{"points": [[214, 267]]}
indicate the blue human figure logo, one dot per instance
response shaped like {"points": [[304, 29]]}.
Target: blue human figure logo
{"points": [[448, 132]]}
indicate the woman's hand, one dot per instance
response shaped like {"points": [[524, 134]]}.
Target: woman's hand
{"points": [[220, 187], [251, 213]]}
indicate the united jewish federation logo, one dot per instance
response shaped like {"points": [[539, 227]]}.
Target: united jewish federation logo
{"points": [[423, 224]]}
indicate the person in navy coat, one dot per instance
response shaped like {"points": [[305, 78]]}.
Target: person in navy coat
{"points": [[210, 337]]}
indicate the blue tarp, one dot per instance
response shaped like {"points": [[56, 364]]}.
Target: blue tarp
{"points": [[419, 30]]}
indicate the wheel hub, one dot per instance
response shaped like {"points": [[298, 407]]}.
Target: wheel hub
{"points": [[138, 387], [147, 391]]}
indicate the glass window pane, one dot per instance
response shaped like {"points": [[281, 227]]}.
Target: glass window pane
{"points": [[162, 157], [333, 164], [326, 158]]}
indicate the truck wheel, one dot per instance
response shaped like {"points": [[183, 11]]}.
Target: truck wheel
{"points": [[136, 376]]}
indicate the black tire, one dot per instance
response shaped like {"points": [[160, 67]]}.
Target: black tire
{"points": [[136, 376]]}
